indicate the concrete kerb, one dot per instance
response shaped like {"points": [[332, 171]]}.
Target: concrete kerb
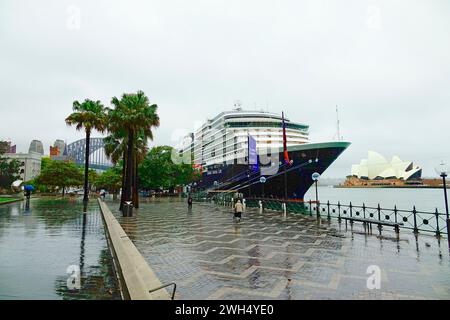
{"points": [[135, 275]]}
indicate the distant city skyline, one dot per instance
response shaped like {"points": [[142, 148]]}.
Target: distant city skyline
{"points": [[385, 64]]}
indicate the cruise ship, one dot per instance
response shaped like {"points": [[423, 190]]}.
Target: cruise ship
{"points": [[244, 151]]}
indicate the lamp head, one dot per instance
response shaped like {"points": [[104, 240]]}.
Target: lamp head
{"points": [[442, 169]]}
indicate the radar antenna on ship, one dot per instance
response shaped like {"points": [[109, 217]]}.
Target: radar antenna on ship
{"points": [[337, 135], [237, 105]]}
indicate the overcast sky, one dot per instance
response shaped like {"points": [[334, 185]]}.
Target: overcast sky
{"points": [[386, 64]]}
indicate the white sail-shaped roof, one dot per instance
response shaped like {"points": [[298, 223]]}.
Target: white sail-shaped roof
{"points": [[377, 167]]}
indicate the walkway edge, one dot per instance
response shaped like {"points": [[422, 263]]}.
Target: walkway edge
{"points": [[135, 275]]}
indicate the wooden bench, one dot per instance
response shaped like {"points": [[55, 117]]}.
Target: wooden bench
{"points": [[369, 222]]}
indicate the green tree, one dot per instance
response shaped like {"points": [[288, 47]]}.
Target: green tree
{"points": [[134, 114], [60, 174], [88, 115], [110, 180], [9, 172], [159, 171], [93, 176]]}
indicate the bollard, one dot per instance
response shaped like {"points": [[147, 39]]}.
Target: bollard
{"points": [[128, 209], [284, 210], [244, 206], [260, 206]]}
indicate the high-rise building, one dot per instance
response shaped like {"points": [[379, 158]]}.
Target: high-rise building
{"points": [[37, 147], [54, 152], [60, 144], [6, 147], [59, 151]]}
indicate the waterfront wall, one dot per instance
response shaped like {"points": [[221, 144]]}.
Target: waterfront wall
{"points": [[135, 275]]}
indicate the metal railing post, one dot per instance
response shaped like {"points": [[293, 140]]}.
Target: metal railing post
{"points": [[339, 211], [379, 218], [328, 205], [364, 210], [415, 220], [351, 210], [438, 230], [310, 207], [395, 213]]}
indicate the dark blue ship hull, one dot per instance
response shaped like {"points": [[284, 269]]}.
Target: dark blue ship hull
{"points": [[243, 178]]}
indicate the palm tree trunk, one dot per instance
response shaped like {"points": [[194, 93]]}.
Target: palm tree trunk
{"points": [[132, 179], [135, 180], [124, 168], [129, 171], [86, 166]]}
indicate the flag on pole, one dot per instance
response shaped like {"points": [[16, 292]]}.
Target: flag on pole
{"points": [[286, 155], [252, 154]]}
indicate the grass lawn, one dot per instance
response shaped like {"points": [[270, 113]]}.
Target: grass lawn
{"points": [[4, 200]]}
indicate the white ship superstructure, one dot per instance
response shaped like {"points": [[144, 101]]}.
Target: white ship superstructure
{"points": [[224, 138]]}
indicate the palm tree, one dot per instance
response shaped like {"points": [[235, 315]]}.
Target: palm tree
{"points": [[139, 153], [134, 114], [115, 149], [89, 115]]}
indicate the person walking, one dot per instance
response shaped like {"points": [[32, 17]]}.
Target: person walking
{"points": [[238, 208], [189, 202]]}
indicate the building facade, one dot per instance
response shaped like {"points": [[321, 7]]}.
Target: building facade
{"points": [[30, 164]]}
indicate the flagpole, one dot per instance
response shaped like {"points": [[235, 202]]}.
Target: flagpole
{"points": [[285, 183], [248, 161]]}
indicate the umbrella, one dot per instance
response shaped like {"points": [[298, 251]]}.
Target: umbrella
{"points": [[29, 187]]}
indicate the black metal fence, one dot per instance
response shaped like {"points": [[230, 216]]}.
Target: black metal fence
{"points": [[415, 220]]}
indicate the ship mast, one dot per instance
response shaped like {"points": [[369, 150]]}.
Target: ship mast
{"points": [[338, 132]]}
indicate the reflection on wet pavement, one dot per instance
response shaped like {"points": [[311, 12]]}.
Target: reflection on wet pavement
{"points": [[267, 257], [40, 241]]}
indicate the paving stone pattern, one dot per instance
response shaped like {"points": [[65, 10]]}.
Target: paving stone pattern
{"points": [[268, 256]]}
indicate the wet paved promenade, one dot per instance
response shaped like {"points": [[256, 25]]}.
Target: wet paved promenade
{"points": [[268, 257], [38, 243]]}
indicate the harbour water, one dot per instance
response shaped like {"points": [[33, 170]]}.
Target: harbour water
{"points": [[40, 242], [406, 199]]}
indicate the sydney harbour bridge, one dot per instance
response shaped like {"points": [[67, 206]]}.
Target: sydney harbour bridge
{"points": [[97, 157]]}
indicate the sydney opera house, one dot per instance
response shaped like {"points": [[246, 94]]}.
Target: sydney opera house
{"points": [[376, 170]]}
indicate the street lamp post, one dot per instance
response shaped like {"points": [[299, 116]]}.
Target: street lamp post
{"points": [[315, 176], [443, 171], [262, 180]]}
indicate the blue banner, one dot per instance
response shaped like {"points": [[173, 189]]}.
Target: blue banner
{"points": [[252, 153]]}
